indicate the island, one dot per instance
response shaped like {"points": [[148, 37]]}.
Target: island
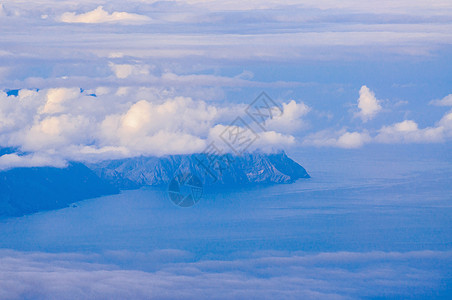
{"points": [[29, 190]]}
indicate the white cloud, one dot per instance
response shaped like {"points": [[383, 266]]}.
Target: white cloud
{"points": [[341, 139], [446, 124], [66, 123], [270, 141], [291, 119], [56, 97], [409, 132], [176, 126], [99, 15], [367, 103], [446, 101], [125, 70], [353, 140], [251, 139], [13, 160]]}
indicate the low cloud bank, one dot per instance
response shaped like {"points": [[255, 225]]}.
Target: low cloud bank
{"points": [[265, 275]]}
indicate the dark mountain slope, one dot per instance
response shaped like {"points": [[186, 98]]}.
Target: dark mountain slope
{"points": [[29, 190]]}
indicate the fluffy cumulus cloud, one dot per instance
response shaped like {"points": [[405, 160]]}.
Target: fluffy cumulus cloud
{"points": [[178, 125], [409, 131], [368, 105], [406, 131], [99, 15], [291, 119], [72, 124], [105, 122]]}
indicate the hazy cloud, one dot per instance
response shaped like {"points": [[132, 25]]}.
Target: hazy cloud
{"points": [[341, 139], [8, 161], [446, 101], [125, 70]]}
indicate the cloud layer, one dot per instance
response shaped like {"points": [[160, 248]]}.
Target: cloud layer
{"points": [[219, 30], [338, 275], [157, 66]]}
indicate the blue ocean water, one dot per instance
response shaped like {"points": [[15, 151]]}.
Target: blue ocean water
{"points": [[370, 223]]}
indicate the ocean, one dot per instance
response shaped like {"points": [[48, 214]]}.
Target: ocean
{"points": [[371, 223]]}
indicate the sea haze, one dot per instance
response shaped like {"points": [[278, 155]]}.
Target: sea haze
{"points": [[374, 222]]}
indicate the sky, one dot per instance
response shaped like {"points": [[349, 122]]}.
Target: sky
{"points": [[110, 79]]}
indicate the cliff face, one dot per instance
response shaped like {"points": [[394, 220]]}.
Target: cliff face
{"points": [[226, 169]]}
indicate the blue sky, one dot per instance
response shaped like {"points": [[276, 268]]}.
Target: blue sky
{"points": [[170, 75]]}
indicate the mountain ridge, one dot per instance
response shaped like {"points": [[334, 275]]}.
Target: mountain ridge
{"points": [[30, 190], [249, 168]]}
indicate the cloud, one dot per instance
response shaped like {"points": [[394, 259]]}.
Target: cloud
{"points": [[9, 161], [239, 139], [56, 97], [291, 119], [352, 140], [99, 15], [416, 30], [280, 275], [125, 70], [104, 123], [446, 124], [341, 139], [368, 105], [409, 132], [446, 101], [347, 5], [4, 71], [181, 56]]}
